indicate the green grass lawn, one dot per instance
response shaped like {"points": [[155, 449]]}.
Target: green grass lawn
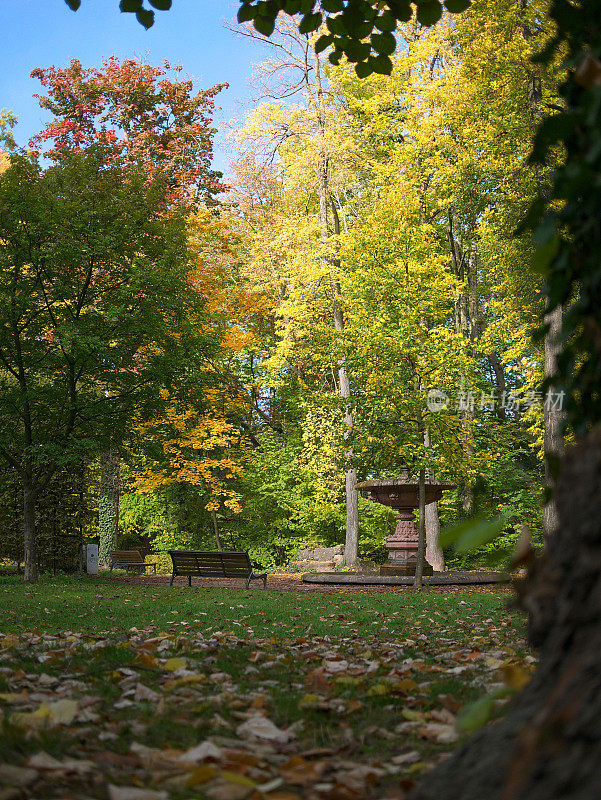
{"points": [[359, 692], [98, 605]]}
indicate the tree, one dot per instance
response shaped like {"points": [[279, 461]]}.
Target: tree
{"points": [[547, 745], [316, 172], [144, 116], [93, 308]]}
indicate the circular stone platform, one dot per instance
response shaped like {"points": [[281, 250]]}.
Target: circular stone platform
{"points": [[450, 578]]}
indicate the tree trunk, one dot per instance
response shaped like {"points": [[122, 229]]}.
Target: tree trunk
{"points": [[325, 201], [467, 425], [108, 503], [434, 554], [29, 534], [500, 386], [548, 744], [465, 269], [351, 544], [554, 445], [216, 529], [421, 530]]}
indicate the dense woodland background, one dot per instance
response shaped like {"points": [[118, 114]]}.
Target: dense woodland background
{"points": [[237, 356]]}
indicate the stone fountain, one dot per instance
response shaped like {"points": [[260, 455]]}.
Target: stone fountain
{"points": [[403, 495]]}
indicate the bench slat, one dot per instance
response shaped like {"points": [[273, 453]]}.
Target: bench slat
{"points": [[213, 564], [129, 558]]}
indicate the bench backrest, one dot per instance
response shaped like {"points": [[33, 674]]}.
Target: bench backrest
{"points": [[212, 563], [126, 556]]}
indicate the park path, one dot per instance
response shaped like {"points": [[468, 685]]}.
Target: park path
{"points": [[293, 583]]}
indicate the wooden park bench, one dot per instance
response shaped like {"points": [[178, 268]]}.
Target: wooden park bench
{"points": [[130, 558], [214, 564]]}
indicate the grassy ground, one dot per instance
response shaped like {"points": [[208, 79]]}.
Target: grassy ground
{"points": [[109, 688]]}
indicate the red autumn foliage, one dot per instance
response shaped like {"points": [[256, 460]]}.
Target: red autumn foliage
{"points": [[141, 115]]}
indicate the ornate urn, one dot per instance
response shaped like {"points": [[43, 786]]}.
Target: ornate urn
{"points": [[403, 495]]}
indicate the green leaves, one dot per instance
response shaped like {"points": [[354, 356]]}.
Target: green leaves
{"points": [[145, 18], [428, 13], [246, 13], [382, 65], [476, 714], [469, 535], [457, 6], [309, 23], [143, 15], [383, 43], [264, 25], [349, 24], [323, 42], [385, 22], [401, 9], [357, 51]]}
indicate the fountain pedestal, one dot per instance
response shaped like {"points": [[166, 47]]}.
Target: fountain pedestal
{"points": [[399, 493]]}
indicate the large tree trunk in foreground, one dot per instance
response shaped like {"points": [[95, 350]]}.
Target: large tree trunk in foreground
{"points": [[548, 745]]}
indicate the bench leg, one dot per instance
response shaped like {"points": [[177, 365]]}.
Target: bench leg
{"points": [[265, 581], [248, 581], [172, 579], [189, 580]]}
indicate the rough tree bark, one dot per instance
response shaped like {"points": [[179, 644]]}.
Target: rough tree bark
{"points": [[553, 442], [548, 744]]}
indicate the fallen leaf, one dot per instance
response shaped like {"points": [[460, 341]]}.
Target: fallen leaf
{"points": [[17, 777], [201, 775], [334, 667], [45, 762], [438, 732], [260, 727], [201, 752], [516, 676], [406, 758], [145, 693], [224, 790], [62, 712], [300, 772], [174, 663], [134, 793]]}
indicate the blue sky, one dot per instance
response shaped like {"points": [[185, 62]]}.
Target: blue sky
{"points": [[40, 33]]}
